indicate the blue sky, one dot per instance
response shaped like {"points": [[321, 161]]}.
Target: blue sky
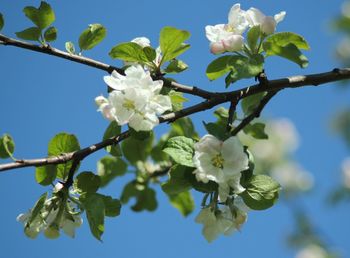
{"points": [[43, 95]]}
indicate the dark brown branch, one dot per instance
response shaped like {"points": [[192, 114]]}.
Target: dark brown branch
{"points": [[96, 64]]}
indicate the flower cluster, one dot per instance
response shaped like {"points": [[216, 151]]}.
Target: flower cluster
{"points": [[53, 216], [221, 162], [225, 220], [228, 37], [135, 99]]}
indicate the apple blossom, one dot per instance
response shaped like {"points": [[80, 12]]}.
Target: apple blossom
{"points": [[267, 23], [135, 99], [221, 162]]}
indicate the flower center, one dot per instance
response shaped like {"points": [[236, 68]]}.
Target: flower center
{"points": [[128, 104], [218, 161]]}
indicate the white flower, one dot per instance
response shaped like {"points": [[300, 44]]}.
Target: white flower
{"points": [[267, 23], [221, 162], [312, 251], [142, 41], [135, 99], [69, 223], [237, 19], [222, 221]]}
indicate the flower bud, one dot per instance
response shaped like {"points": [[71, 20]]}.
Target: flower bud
{"points": [[268, 25]]}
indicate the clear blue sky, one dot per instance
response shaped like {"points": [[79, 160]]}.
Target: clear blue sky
{"points": [[42, 95]]}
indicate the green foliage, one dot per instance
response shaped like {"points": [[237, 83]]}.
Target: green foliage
{"points": [[45, 175], [287, 45], [2, 21], [253, 37], [112, 206], [218, 130], [145, 196], [130, 52], [183, 127], [238, 67], [135, 149], [183, 202], [177, 100], [178, 180], [176, 66], [7, 146], [42, 17], [261, 192], [87, 182], [92, 36], [249, 104], [171, 42], [180, 149], [256, 130], [110, 167], [50, 34], [70, 47], [60, 144], [94, 206], [32, 33], [113, 130], [37, 207], [150, 53]]}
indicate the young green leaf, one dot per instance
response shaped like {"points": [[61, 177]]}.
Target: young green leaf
{"points": [[176, 66], [92, 36], [284, 38], [150, 53], [219, 67], [129, 51], [178, 180], [256, 130], [171, 42], [249, 104], [110, 167], [261, 192], [218, 130], [60, 144], [94, 206], [42, 17], [7, 146], [253, 37], [112, 206], [32, 33], [135, 149], [177, 100], [112, 130], [50, 34], [183, 202], [183, 127], [45, 175], [180, 149], [70, 47], [87, 182], [2, 22]]}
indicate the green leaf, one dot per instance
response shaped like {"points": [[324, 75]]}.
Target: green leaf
{"points": [[2, 22], [284, 38], [219, 67], [218, 130], [150, 53], [32, 33], [129, 51], [183, 127], [112, 130], [253, 37], [37, 207], [92, 36], [249, 104], [112, 206], [135, 149], [157, 153], [176, 66], [178, 180], [177, 100], [70, 47], [45, 175], [42, 16], [145, 197], [180, 149], [256, 130], [50, 34], [261, 192], [110, 167], [222, 114], [87, 182], [7, 146], [60, 144], [171, 42], [289, 51], [183, 202], [94, 206]]}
